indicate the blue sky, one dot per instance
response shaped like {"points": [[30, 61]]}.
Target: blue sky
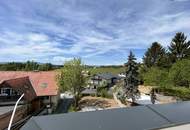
{"points": [[101, 32]]}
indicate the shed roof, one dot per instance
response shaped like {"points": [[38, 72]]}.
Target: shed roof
{"points": [[134, 118], [89, 91], [107, 75]]}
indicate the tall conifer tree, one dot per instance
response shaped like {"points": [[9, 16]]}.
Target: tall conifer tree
{"points": [[131, 81]]}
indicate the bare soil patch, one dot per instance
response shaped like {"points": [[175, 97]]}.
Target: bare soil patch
{"points": [[97, 102], [145, 89]]}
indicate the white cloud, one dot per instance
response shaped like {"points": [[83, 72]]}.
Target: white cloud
{"points": [[180, 0], [44, 29], [37, 37], [60, 60]]}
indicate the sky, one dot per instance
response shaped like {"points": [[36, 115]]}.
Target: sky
{"points": [[101, 32]]}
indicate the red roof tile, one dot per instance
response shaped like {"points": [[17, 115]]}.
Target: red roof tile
{"points": [[44, 83]]}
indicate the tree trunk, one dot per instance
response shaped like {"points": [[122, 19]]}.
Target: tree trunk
{"points": [[76, 100], [133, 99]]}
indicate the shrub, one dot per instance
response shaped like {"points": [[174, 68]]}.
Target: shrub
{"points": [[179, 74], [103, 92], [72, 108], [155, 76], [180, 92]]}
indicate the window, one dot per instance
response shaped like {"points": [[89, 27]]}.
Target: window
{"points": [[45, 97], [8, 92], [14, 92], [5, 91]]}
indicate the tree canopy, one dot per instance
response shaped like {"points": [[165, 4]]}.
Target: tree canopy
{"points": [[70, 78], [179, 47], [172, 76], [27, 66], [131, 81], [155, 55], [179, 73]]}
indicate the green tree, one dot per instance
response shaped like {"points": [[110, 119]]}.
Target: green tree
{"points": [[179, 47], [45, 67], [155, 76], [131, 80], [70, 78], [155, 55], [31, 65], [179, 73], [28, 66]]}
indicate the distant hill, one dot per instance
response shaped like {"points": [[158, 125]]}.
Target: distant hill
{"points": [[27, 66]]}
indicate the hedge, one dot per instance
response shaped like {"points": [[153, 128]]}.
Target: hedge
{"points": [[181, 92]]}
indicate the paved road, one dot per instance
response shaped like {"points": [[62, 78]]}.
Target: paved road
{"points": [[63, 106]]}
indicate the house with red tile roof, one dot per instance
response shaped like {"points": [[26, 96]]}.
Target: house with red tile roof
{"points": [[40, 88]]}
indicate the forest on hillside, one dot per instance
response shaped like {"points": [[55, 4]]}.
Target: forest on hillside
{"points": [[28, 66]]}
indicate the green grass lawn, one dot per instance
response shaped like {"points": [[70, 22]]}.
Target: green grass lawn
{"points": [[113, 70]]}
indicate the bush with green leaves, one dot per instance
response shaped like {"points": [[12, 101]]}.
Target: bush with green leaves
{"points": [[180, 92], [179, 73], [72, 108], [155, 76], [103, 92]]}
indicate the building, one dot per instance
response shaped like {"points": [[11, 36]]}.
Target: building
{"points": [[163, 117], [40, 88], [104, 78]]}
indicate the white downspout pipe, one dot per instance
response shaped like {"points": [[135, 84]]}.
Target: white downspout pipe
{"points": [[12, 116]]}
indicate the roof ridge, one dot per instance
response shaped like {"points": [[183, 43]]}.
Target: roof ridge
{"points": [[158, 113], [34, 121]]}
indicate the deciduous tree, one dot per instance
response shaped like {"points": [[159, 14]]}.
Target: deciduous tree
{"points": [[179, 73], [70, 78]]}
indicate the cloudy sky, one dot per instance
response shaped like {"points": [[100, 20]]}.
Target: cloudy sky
{"points": [[101, 32]]}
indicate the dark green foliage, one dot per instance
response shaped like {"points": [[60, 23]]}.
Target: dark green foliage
{"points": [[155, 76], [31, 65], [179, 47], [14, 66], [131, 81], [45, 67], [72, 108], [176, 61], [174, 82], [104, 69], [28, 66], [180, 73], [179, 92], [155, 56], [103, 92]]}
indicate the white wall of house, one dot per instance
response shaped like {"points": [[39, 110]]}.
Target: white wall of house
{"points": [[54, 99], [51, 99]]}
